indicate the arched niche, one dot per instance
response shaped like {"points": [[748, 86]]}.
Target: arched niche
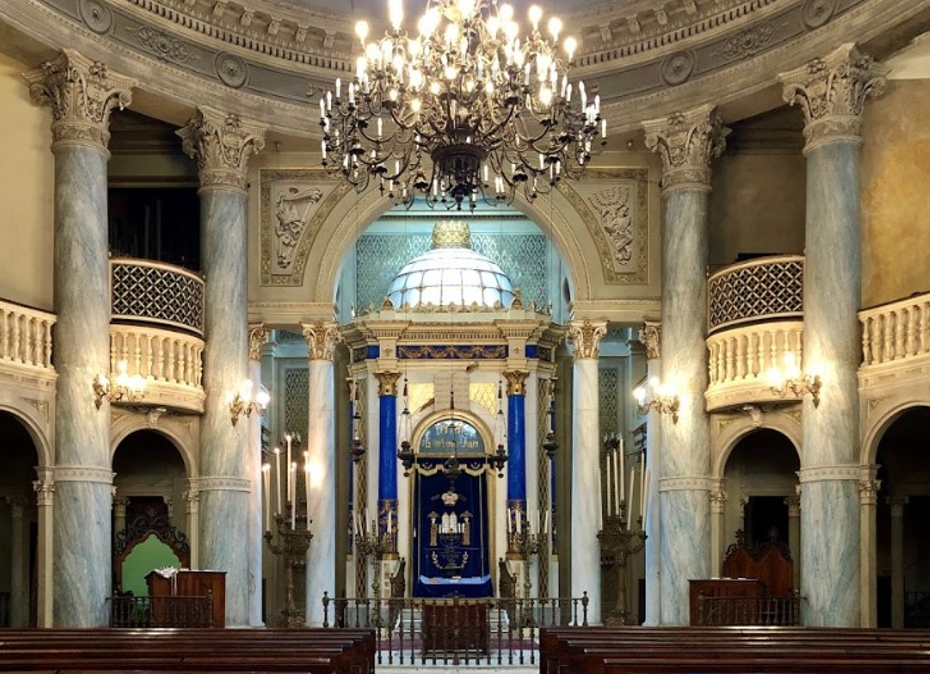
{"points": [[179, 434]]}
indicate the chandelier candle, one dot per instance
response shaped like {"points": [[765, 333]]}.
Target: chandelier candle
{"points": [[464, 108]]}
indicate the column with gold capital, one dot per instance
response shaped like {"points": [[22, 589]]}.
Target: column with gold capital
{"points": [[81, 94], [322, 338], [387, 458], [832, 92], [516, 449], [585, 336], [222, 144], [687, 143]]}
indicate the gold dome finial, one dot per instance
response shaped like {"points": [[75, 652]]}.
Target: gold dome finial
{"points": [[451, 234]]}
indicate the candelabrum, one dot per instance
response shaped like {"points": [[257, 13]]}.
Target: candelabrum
{"points": [[373, 544], [619, 542], [293, 543]]}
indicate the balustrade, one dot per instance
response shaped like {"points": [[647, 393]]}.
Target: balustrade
{"points": [[895, 331], [26, 336]]}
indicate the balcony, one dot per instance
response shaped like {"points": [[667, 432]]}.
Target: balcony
{"points": [[755, 316], [157, 328], [26, 343], [895, 342]]}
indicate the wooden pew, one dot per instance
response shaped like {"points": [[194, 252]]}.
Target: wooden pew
{"points": [[668, 650], [318, 651]]}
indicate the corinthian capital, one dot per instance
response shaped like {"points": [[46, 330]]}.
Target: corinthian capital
{"points": [[387, 383], [321, 340], [687, 143], [832, 92], [81, 94], [651, 337], [222, 143], [585, 336]]}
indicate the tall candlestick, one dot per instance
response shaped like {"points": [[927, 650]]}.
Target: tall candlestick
{"points": [[307, 491], [630, 511], [621, 474], [288, 440], [277, 453], [291, 480], [643, 501], [608, 473], [266, 479]]}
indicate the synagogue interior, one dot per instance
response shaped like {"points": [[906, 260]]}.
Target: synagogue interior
{"points": [[627, 320]]}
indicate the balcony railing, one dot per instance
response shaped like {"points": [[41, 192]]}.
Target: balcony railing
{"points": [[26, 336], [762, 289], [896, 331], [144, 291]]}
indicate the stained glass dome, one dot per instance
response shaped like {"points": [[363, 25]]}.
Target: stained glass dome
{"points": [[451, 273]]}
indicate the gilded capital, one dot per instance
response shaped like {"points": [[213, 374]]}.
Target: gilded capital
{"points": [[387, 383], [222, 144], [81, 94], [321, 340], [516, 382], [832, 92], [258, 336], [687, 143], [586, 336], [650, 335]]}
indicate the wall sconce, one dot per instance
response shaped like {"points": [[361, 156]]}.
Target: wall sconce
{"points": [[241, 403], [123, 388], [664, 400], [791, 378]]}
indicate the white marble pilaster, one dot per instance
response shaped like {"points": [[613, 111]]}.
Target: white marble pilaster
{"points": [[19, 587], [321, 445], [44, 488], [258, 335], [897, 560], [222, 144], [794, 535], [586, 477], [81, 94], [832, 92], [687, 143], [718, 503], [651, 336], [868, 569], [192, 520]]}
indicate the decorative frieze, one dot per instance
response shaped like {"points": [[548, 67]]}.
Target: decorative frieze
{"points": [[586, 336], [687, 143], [321, 339], [832, 92], [687, 483], [81, 94], [222, 144]]}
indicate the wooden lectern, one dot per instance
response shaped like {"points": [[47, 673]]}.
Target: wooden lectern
{"points": [[189, 583]]}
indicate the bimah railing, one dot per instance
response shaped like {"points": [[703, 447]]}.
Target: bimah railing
{"points": [[456, 631], [749, 610], [161, 611]]}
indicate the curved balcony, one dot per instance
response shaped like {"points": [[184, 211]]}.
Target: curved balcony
{"points": [[157, 328], [26, 341], [755, 316], [895, 342]]}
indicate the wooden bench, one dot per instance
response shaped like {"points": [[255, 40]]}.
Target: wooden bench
{"points": [[673, 650], [318, 651]]}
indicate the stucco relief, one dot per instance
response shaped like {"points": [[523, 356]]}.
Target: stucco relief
{"points": [[614, 208], [294, 205]]}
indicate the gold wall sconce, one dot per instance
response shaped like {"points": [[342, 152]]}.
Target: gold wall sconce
{"points": [[121, 388], [791, 378], [660, 397], [243, 402]]}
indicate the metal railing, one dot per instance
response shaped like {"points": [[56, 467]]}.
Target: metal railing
{"points": [[749, 610], [419, 631], [161, 611], [156, 292], [761, 289]]}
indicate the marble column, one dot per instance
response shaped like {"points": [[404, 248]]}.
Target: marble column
{"points": [[516, 448], [868, 569], [321, 445], [718, 535], [222, 145], [794, 535], [586, 336], [19, 577], [258, 335], [687, 143], [651, 337], [81, 93], [44, 488], [897, 560], [832, 92], [192, 520], [387, 457]]}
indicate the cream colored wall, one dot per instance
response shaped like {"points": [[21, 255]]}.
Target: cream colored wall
{"points": [[757, 205], [895, 199], [26, 197]]}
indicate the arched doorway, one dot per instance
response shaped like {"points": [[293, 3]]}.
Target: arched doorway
{"points": [[762, 502], [450, 513], [902, 541], [149, 517], [18, 524]]}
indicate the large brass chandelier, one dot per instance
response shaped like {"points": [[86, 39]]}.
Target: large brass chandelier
{"points": [[464, 109]]}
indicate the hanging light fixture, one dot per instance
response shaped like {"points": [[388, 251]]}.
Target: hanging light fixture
{"points": [[467, 108]]}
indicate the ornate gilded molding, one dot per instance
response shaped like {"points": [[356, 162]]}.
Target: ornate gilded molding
{"points": [[516, 382], [81, 94], [387, 383], [222, 144], [687, 143], [650, 335], [586, 337], [321, 339], [258, 337], [832, 92]]}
